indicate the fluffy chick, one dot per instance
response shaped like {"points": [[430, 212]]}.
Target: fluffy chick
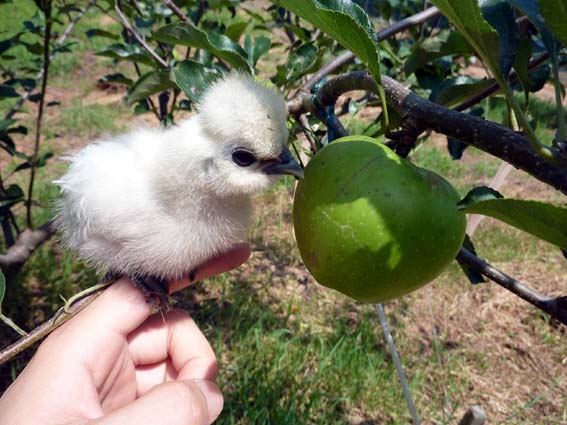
{"points": [[155, 204]]}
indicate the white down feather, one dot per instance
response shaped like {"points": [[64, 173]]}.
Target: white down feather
{"points": [[161, 202]]}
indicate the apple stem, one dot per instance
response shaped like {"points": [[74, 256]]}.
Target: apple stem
{"points": [[397, 362]]}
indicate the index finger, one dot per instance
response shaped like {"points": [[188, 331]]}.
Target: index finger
{"points": [[123, 308], [237, 255]]}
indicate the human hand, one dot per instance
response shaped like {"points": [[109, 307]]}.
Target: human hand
{"points": [[115, 363]]}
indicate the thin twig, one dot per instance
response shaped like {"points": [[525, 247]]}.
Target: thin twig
{"points": [[39, 119], [58, 44], [134, 33], [308, 132], [176, 10], [397, 363], [45, 328], [555, 307]]}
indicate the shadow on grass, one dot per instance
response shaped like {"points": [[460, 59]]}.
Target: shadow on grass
{"points": [[276, 369]]}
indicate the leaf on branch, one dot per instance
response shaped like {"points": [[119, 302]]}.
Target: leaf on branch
{"points": [[531, 9], [545, 221], [347, 23], [97, 32], [473, 276], [235, 30], [301, 60], [443, 44], [117, 78], [187, 34], [455, 146], [128, 52], [502, 17], [7, 92], [11, 195], [4, 124], [555, 14], [256, 48], [456, 90], [193, 78], [478, 194], [468, 19], [521, 64], [148, 84]]}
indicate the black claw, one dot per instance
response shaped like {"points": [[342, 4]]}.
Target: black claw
{"points": [[154, 288], [192, 275]]}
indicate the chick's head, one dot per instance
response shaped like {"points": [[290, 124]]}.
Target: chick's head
{"points": [[247, 122]]}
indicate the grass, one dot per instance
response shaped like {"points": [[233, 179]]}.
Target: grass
{"points": [[88, 120], [293, 352]]}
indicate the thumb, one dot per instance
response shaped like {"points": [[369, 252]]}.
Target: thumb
{"points": [[195, 402]]}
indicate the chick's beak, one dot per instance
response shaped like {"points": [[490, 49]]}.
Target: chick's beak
{"points": [[284, 164]]}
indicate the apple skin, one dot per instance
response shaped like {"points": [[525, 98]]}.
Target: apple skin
{"points": [[372, 225]]}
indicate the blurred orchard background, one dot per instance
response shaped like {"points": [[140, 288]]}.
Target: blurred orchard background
{"points": [[289, 350]]}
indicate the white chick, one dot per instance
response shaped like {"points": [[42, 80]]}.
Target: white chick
{"points": [[153, 205]]}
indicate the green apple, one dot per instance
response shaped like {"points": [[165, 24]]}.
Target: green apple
{"points": [[372, 225]]}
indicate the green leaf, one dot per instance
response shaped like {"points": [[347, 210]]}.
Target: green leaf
{"points": [[542, 220], [468, 19], [443, 44], [141, 107], [4, 124], [11, 195], [302, 60], [97, 32], [127, 52], [478, 194], [473, 276], [187, 34], [521, 63], [193, 78], [42, 160], [501, 16], [148, 84], [347, 23], [235, 30], [458, 89], [257, 48], [555, 14], [117, 78], [531, 9], [7, 44]]}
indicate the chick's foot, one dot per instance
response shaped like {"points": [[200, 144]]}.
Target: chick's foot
{"points": [[154, 288]]}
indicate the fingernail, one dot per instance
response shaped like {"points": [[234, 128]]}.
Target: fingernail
{"points": [[213, 396]]}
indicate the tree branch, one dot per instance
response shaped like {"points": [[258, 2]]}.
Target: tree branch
{"points": [[555, 307], [176, 10], [418, 113], [26, 243], [47, 9], [45, 328]]}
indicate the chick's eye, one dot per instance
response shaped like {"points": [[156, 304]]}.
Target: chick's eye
{"points": [[243, 158]]}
